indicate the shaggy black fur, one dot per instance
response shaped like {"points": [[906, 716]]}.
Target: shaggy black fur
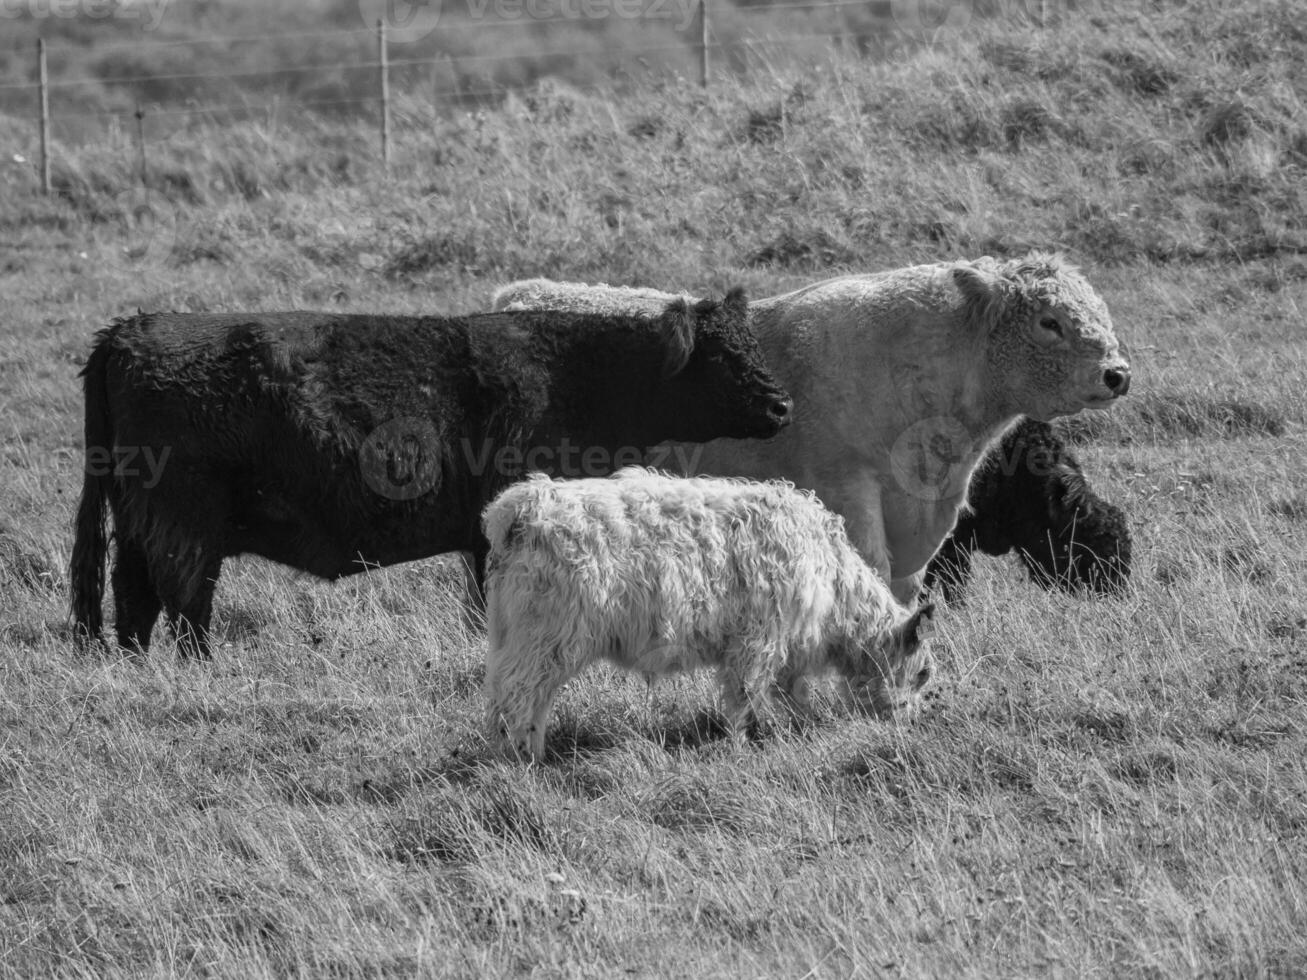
{"points": [[334, 443], [1029, 496]]}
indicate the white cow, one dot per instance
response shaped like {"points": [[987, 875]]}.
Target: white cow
{"points": [[901, 380], [658, 573]]}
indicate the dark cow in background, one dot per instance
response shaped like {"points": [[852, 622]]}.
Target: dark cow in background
{"points": [[333, 443], [1029, 496]]}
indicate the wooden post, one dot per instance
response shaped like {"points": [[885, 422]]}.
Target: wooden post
{"points": [[703, 43], [45, 115], [384, 62], [435, 93], [140, 146]]}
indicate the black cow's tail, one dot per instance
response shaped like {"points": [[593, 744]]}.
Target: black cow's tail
{"points": [[90, 536]]}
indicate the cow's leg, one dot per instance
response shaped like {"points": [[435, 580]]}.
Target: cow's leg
{"points": [[136, 603], [191, 529], [858, 500], [861, 504], [474, 565], [479, 555], [188, 601], [950, 570]]}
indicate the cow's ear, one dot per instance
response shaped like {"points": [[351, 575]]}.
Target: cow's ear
{"points": [[736, 302], [1067, 494], [984, 293], [678, 324]]}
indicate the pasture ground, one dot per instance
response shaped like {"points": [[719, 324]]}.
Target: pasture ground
{"points": [[1099, 788]]}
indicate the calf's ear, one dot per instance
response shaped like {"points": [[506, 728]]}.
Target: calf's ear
{"points": [[677, 334], [983, 294], [920, 625]]}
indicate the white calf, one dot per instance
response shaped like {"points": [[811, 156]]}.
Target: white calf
{"points": [[657, 573]]}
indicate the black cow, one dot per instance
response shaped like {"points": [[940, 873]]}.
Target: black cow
{"points": [[1029, 496], [334, 443]]}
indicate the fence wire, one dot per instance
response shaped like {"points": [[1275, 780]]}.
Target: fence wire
{"points": [[696, 41]]}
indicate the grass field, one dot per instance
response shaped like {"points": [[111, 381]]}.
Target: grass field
{"points": [[1099, 788]]}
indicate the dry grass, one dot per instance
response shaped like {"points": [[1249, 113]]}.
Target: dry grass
{"points": [[1100, 788]]}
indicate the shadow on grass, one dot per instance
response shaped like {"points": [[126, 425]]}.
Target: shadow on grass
{"points": [[573, 740], [705, 726], [458, 826], [389, 787]]}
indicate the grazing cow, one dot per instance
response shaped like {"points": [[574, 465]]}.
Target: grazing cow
{"points": [[903, 379], [656, 574], [334, 443], [1029, 495]]}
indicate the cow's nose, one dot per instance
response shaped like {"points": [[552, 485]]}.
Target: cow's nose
{"points": [[781, 410], [1117, 380]]}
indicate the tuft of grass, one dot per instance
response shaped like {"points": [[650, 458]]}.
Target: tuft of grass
{"points": [[22, 565]]}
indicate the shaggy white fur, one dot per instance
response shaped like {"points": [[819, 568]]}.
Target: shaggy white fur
{"points": [[901, 380], [656, 573]]}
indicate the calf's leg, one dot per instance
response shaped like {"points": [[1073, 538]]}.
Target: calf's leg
{"points": [[522, 683], [793, 692], [745, 680], [521, 720]]}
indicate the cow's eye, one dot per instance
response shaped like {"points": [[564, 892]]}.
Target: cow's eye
{"points": [[1050, 324]]}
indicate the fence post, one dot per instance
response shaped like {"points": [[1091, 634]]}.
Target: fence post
{"points": [[45, 115], [384, 61], [140, 146], [703, 43]]}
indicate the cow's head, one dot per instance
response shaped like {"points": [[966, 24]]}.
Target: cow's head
{"points": [[1051, 348], [897, 666], [715, 380]]}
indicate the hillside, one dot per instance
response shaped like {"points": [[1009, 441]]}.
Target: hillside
{"points": [[1100, 787]]}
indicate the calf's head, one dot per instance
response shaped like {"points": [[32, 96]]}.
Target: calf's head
{"points": [[1084, 545], [1051, 349], [716, 382], [897, 666]]}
